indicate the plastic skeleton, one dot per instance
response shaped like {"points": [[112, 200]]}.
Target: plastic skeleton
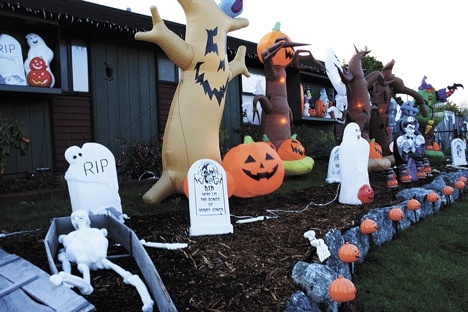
{"points": [[87, 248], [322, 249]]}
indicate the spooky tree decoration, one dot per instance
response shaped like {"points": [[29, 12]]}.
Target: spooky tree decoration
{"points": [[192, 128], [381, 96], [275, 50], [255, 167], [87, 248], [359, 107]]}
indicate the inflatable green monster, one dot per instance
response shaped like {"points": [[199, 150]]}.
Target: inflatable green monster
{"points": [[434, 101]]}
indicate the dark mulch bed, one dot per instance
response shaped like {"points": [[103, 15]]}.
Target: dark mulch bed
{"points": [[248, 270]]}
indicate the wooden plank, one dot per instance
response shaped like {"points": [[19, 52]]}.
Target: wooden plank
{"points": [[6, 290], [151, 276], [25, 287]]}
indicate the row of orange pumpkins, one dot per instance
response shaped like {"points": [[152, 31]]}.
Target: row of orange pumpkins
{"points": [[342, 289]]}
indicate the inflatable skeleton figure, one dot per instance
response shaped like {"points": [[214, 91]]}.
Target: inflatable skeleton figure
{"points": [[87, 248]]}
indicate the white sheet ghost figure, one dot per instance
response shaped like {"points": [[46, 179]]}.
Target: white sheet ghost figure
{"points": [[353, 159], [92, 180], [38, 48], [87, 248]]}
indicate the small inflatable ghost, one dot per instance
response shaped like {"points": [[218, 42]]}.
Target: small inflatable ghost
{"points": [[353, 159]]}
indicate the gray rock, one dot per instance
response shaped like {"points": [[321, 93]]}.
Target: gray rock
{"points": [[299, 302], [314, 279]]}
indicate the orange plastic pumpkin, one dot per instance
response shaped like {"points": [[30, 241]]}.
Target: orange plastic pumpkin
{"points": [[436, 146], [413, 204], [312, 112], [256, 168], [342, 290], [320, 108], [368, 226], [432, 197], [459, 185], [348, 253], [396, 214], [231, 185], [283, 57], [447, 190], [291, 149], [375, 150], [462, 178]]}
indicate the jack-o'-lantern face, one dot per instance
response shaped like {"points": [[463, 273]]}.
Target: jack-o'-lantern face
{"points": [[284, 56], [37, 63], [320, 108], [375, 150], [291, 149], [39, 78], [256, 168], [366, 194]]}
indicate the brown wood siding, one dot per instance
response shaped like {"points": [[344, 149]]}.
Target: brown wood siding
{"points": [[72, 125], [165, 95]]}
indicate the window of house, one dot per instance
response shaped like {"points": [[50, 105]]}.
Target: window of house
{"points": [[80, 73], [251, 86], [167, 70]]}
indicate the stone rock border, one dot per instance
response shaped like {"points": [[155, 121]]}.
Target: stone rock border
{"points": [[315, 278]]}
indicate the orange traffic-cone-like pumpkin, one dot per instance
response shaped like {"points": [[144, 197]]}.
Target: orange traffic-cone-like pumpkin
{"points": [[396, 214], [368, 226], [342, 290]]}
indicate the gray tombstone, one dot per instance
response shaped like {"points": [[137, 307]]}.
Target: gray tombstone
{"points": [[92, 180], [11, 62], [458, 152], [208, 199]]}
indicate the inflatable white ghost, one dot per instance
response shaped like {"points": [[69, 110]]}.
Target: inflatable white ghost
{"points": [[353, 159]]}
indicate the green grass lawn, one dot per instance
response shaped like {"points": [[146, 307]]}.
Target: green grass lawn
{"points": [[424, 269]]}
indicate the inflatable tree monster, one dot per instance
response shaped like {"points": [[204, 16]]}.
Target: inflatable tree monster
{"points": [[381, 95], [192, 129]]}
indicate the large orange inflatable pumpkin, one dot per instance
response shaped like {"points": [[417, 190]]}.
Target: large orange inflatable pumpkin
{"points": [[256, 168], [284, 56]]}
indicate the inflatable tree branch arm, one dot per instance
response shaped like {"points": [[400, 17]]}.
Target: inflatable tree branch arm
{"points": [[238, 23], [175, 47], [301, 55], [399, 87], [237, 65]]}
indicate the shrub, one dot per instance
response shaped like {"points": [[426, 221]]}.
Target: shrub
{"points": [[139, 160], [318, 142], [12, 135]]}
